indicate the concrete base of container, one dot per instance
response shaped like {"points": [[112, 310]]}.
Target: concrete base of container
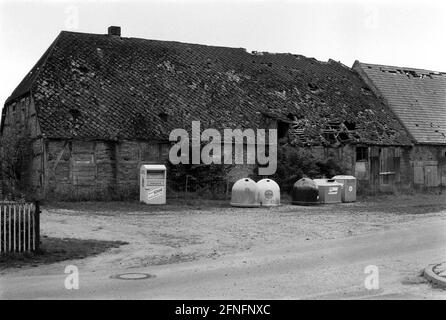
{"points": [[241, 205], [304, 203], [270, 205]]}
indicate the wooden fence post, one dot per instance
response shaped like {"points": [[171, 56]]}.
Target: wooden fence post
{"points": [[37, 226]]}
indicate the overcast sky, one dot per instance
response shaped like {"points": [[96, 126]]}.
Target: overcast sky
{"points": [[402, 33]]}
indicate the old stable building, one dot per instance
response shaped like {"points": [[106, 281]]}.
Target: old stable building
{"points": [[95, 107], [418, 99]]}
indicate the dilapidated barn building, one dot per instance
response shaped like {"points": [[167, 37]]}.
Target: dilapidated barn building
{"points": [[418, 99], [96, 106]]}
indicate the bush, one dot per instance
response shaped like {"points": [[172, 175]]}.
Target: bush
{"points": [[15, 157], [294, 163]]}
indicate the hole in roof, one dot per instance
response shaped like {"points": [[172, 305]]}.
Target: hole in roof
{"points": [[330, 137], [343, 136], [412, 73], [282, 129], [75, 113], [163, 116], [83, 69], [350, 125], [313, 87], [366, 91]]}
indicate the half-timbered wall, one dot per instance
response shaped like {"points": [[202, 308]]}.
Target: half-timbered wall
{"points": [[98, 169]]}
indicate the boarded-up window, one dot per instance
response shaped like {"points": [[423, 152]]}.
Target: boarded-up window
{"points": [[83, 158], [83, 165], [150, 152], [431, 175], [426, 173], [418, 173]]}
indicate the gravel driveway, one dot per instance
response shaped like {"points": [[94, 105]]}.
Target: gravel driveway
{"points": [[182, 231]]}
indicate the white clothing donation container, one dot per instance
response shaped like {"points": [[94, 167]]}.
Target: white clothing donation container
{"points": [[152, 184]]}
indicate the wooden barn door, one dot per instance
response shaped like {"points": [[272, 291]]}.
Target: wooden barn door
{"points": [[83, 167], [426, 173], [431, 174]]}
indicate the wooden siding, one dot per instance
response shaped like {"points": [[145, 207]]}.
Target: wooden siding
{"points": [[83, 169]]}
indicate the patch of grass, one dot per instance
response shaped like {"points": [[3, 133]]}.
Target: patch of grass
{"points": [[57, 249]]}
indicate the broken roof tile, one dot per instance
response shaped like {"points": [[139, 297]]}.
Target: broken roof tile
{"points": [[119, 87], [417, 96]]}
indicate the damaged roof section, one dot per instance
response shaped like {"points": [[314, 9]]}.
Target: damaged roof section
{"points": [[417, 96], [109, 87]]}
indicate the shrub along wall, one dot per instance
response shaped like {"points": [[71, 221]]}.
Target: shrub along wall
{"points": [[294, 163]]}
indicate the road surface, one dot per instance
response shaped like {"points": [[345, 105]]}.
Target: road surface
{"points": [[325, 269]]}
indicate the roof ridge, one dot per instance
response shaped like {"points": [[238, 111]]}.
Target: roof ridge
{"points": [[251, 53]]}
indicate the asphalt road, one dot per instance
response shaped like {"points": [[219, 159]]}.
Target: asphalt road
{"points": [[325, 269]]}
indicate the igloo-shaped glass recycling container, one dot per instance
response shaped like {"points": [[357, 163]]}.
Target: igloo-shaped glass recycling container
{"points": [[305, 192], [269, 193], [244, 194]]}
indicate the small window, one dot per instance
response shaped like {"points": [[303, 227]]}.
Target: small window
{"points": [[362, 153], [83, 158]]}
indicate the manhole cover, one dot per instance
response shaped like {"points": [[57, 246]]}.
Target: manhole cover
{"points": [[133, 276], [436, 274]]}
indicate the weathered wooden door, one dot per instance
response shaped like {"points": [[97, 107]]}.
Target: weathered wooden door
{"points": [[374, 172], [418, 173], [387, 167], [83, 167], [425, 173], [431, 174]]}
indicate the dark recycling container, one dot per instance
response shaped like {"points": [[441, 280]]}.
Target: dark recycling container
{"points": [[305, 192]]}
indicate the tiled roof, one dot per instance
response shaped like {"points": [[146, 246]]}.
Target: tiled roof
{"points": [[109, 87], [418, 98]]}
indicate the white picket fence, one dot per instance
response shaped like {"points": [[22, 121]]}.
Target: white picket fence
{"points": [[19, 226]]}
